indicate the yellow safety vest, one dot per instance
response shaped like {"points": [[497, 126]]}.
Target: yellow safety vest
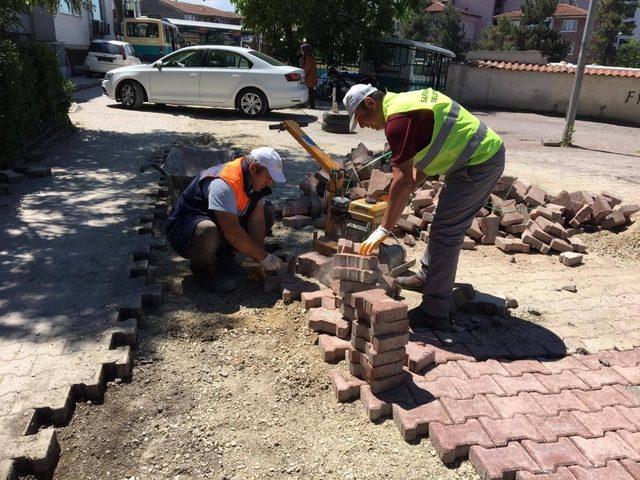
{"points": [[459, 139]]}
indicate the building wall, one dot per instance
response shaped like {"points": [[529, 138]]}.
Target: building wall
{"points": [[573, 37], [73, 31], [511, 5], [484, 8], [602, 97]]}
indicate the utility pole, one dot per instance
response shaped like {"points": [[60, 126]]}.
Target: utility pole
{"points": [[577, 81]]}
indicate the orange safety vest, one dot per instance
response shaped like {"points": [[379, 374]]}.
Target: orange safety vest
{"points": [[231, 173]]}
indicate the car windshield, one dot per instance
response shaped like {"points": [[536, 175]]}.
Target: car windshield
{"points": [[267, 58], [99, 47]]}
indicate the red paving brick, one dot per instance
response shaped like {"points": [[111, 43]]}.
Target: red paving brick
{"points": [[613, 471], [632, 467], [565, 424], [461, 410], [632, 439], [557, 402], [609, 419], [563, 473], [503, 462], [414, 422], [631, 374], [564, 380], [550, 456], [602, 449], [441, 387], [476, 386], [502, 431], [508, 407], [631, 414], [453, 441], [451, 369], [477, 369], [526, 383], [602, 377], [518, 367], [565, 363], [596, 400]]}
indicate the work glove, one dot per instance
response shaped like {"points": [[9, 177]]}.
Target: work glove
{"points": [[272, 263], [374, 240]]}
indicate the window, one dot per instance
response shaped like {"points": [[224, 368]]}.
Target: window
{"points": [[184, 59], [267, 58], [103, 47], [68, 9], [97, 11], [142, 29], [569, 26], [226, 59]]}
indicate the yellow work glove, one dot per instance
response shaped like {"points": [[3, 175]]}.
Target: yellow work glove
{"points": [[375, 239]]}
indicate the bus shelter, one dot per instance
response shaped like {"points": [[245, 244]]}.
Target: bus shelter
{"points": [[402, 65]]}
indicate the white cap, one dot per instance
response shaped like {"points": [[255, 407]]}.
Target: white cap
{"points": [[269, 158], [353, 98]]}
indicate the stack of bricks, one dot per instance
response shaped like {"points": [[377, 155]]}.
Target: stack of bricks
{"points": [[379, 335]]}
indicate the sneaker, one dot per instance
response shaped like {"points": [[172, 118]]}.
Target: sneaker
{"points": [[421, 320], [412, 282]]}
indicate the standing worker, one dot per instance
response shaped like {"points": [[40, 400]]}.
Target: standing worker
{"points": [[430, 134], [310, 67], [223, 210]]}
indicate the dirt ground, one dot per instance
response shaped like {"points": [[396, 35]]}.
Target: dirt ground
{"points": [[225, 388]]}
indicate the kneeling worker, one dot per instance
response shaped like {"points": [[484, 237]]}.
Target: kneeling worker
{"points": [[223, 210], [430, 134]]}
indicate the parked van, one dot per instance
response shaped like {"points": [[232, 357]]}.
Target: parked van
{"points": [[105, 55], [152, 38]]}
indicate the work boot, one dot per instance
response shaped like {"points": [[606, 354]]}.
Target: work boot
{"points": [[413, 282], [421, 320], [221, 284], [228, 265]]}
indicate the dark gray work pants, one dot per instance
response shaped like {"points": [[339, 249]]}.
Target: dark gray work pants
{"points": [[464, 193]]}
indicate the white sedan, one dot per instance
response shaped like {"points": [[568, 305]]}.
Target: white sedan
{"points": [[211, 75]]}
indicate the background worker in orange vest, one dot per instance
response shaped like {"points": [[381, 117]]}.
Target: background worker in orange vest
{"points": [[223, 210]]}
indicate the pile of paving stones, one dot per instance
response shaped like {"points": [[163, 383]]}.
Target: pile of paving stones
{"points": [[518, 218]]}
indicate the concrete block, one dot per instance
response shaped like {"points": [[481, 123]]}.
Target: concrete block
{"points": [[613, 220], [560, 245], [535, 196], [570, 259]]}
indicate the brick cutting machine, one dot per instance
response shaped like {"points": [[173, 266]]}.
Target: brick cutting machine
{"points": [[344, 217]]}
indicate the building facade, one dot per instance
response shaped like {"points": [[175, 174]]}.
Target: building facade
{"points": [[568, 20], [69, 31], [197, 24]]}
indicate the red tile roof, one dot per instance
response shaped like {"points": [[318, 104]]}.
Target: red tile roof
{"points": [[437, 7], [557, 68], [562, 10], [200, 9]]}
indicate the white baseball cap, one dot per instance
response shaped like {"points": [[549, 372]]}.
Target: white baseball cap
{"points": [[353, 98], [269, 158]]}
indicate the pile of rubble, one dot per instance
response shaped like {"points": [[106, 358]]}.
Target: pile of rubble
{"points": [[517, 218]]}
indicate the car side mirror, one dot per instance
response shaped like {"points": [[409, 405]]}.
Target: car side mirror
{"points": [[158, 64]]}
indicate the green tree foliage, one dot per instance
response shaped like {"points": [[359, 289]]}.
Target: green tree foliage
{"points": [[338, 29], [535, 32], [628, 54], [614, 17], [11, 9], [449, 29], [420, 25], [35, 96], [499, 36], [443, 29]]}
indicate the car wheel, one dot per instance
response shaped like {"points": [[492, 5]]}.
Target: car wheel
{"points": [[131, 95], [338, 119], [252, 103], [333, 128]]}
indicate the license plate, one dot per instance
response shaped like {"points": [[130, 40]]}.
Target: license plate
{"points": [[105, 59]]}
